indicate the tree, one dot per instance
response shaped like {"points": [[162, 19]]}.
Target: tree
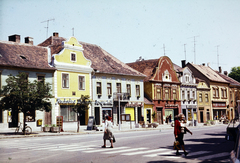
{"points": [[81, 106], [20, 95], [235, 73]]}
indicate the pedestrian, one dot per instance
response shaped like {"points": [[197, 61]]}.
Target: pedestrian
{"points": [[167, 119], [108, 135], [179, 131], [170, 118]]}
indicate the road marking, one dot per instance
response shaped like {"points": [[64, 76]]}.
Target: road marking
{"points": [[125, 150], [80, 149], [104, 149], [170, 152], [143, 152]]}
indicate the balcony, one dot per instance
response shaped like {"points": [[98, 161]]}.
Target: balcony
{"points": [[123, 97]]}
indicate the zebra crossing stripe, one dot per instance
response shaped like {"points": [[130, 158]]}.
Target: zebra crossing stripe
{"points": [[143, 152], [170, 152], [124, 150], [104, 149]]}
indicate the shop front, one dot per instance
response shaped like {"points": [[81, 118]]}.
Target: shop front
{"points": [[219, 110], [171, 110], [102, 109]]}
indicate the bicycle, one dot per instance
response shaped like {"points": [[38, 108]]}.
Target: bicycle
{"points": [[28, 129]]}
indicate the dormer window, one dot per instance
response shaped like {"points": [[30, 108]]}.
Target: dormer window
{"points": [[166, 76], [187, 79], [73, 57]]}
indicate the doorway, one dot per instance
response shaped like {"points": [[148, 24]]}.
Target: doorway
{"points": [[159, 116], [148, 116], [97, 115], [201, 116], [139, 113]]}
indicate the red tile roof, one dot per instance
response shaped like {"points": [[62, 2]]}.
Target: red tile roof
{"points": [[230, 80], [102, 61], [22, 55]]}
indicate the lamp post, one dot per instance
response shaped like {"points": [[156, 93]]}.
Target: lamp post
{"points": [[119, 123]]}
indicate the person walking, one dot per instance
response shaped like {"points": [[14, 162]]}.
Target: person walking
{"points": [[179, 131], [108, 135]]}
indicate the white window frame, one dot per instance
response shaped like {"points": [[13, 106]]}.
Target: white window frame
{"points": [[84, 82], [71, 57]]}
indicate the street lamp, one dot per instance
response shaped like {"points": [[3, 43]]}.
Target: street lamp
{"points": [[119, 123]]}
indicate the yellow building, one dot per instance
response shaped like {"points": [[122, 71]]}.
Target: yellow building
{"points": [[72, 79]]}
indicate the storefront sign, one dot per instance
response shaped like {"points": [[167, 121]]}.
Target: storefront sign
{"points": [[103, 102], [219, 104], [171, 105], [59, 101]]}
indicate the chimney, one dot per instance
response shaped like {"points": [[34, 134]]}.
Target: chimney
{"points": [[203, 64], [208, 64], [220, 69], [183, 63], [225, 73], [55, 34], [14, 38], [29, 40]]}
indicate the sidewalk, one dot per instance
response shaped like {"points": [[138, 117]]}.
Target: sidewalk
{"points": [[10, 132]]}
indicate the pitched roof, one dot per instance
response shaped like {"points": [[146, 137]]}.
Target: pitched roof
{"points": [[102, 61], [209, 73], [22, 55], [230, 80]]}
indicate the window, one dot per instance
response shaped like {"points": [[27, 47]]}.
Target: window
{"points": [[193, 94], [215, 92], [41, 78], [200, 97], [137, 90], [109, 88], [187, 78], [174, 94], [224, 92], [183, 95], [206, 97], [65, 80], [166, 94], [68, 113], [119, 88], [73, 57], [129, 89], [231, 98], [188, 95], [81, 82], [158, 93], [99, 88]]}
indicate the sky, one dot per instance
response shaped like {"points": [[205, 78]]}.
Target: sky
{"points": [[198, 31]]}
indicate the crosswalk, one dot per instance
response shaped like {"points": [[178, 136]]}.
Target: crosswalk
{"points": [[121, 150]]}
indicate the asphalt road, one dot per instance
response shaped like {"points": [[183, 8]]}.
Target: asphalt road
{"points": [[207, 144]]}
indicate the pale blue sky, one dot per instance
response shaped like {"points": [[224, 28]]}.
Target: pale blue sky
{"points": [[128, 29]]}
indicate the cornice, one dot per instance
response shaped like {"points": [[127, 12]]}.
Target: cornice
{"points": [[72, 67]]}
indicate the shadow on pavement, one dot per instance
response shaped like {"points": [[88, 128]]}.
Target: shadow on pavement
{"points": [[13, 133], [206, 150]]}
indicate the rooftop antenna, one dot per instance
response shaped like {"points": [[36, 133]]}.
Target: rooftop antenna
{"points": [[47, 24], [194, 47], [164, 49], [185, 51], [217, 56], [73, 31]]}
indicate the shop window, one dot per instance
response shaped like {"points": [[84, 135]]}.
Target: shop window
{"points": [[200, 97], [99, 88], [158, 93], [73, 57], [109, 88], [68, 113], [129, 89], [138, 90], [206, 97], [30, 116], [65, 80], [119, 88], [81, 81]]}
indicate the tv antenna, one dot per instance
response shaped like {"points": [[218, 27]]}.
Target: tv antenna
{"points": [[185, 51], [194, 47], [47, 24]]}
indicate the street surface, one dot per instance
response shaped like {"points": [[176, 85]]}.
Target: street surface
{"points": [[207, 144]]}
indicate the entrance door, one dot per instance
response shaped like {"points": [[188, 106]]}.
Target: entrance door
{"points": [[97, 115], [201, 116], [82, 118], [139, 113], [148, 116]]}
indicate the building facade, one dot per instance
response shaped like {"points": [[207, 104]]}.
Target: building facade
{"points": [[162, 86], [72, 79], [16, 57]]}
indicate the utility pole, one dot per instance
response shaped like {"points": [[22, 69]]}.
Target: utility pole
{"points": [[47, 24]]}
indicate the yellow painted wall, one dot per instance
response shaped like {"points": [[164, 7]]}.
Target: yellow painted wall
{"points": [[131, 112], [146, 106], [73, 85]]}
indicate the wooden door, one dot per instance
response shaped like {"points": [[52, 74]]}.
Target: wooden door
{"points": [[159, 117]]}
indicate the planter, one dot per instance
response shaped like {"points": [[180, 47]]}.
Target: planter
{"points": [[46, 129], [55, 129]]}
